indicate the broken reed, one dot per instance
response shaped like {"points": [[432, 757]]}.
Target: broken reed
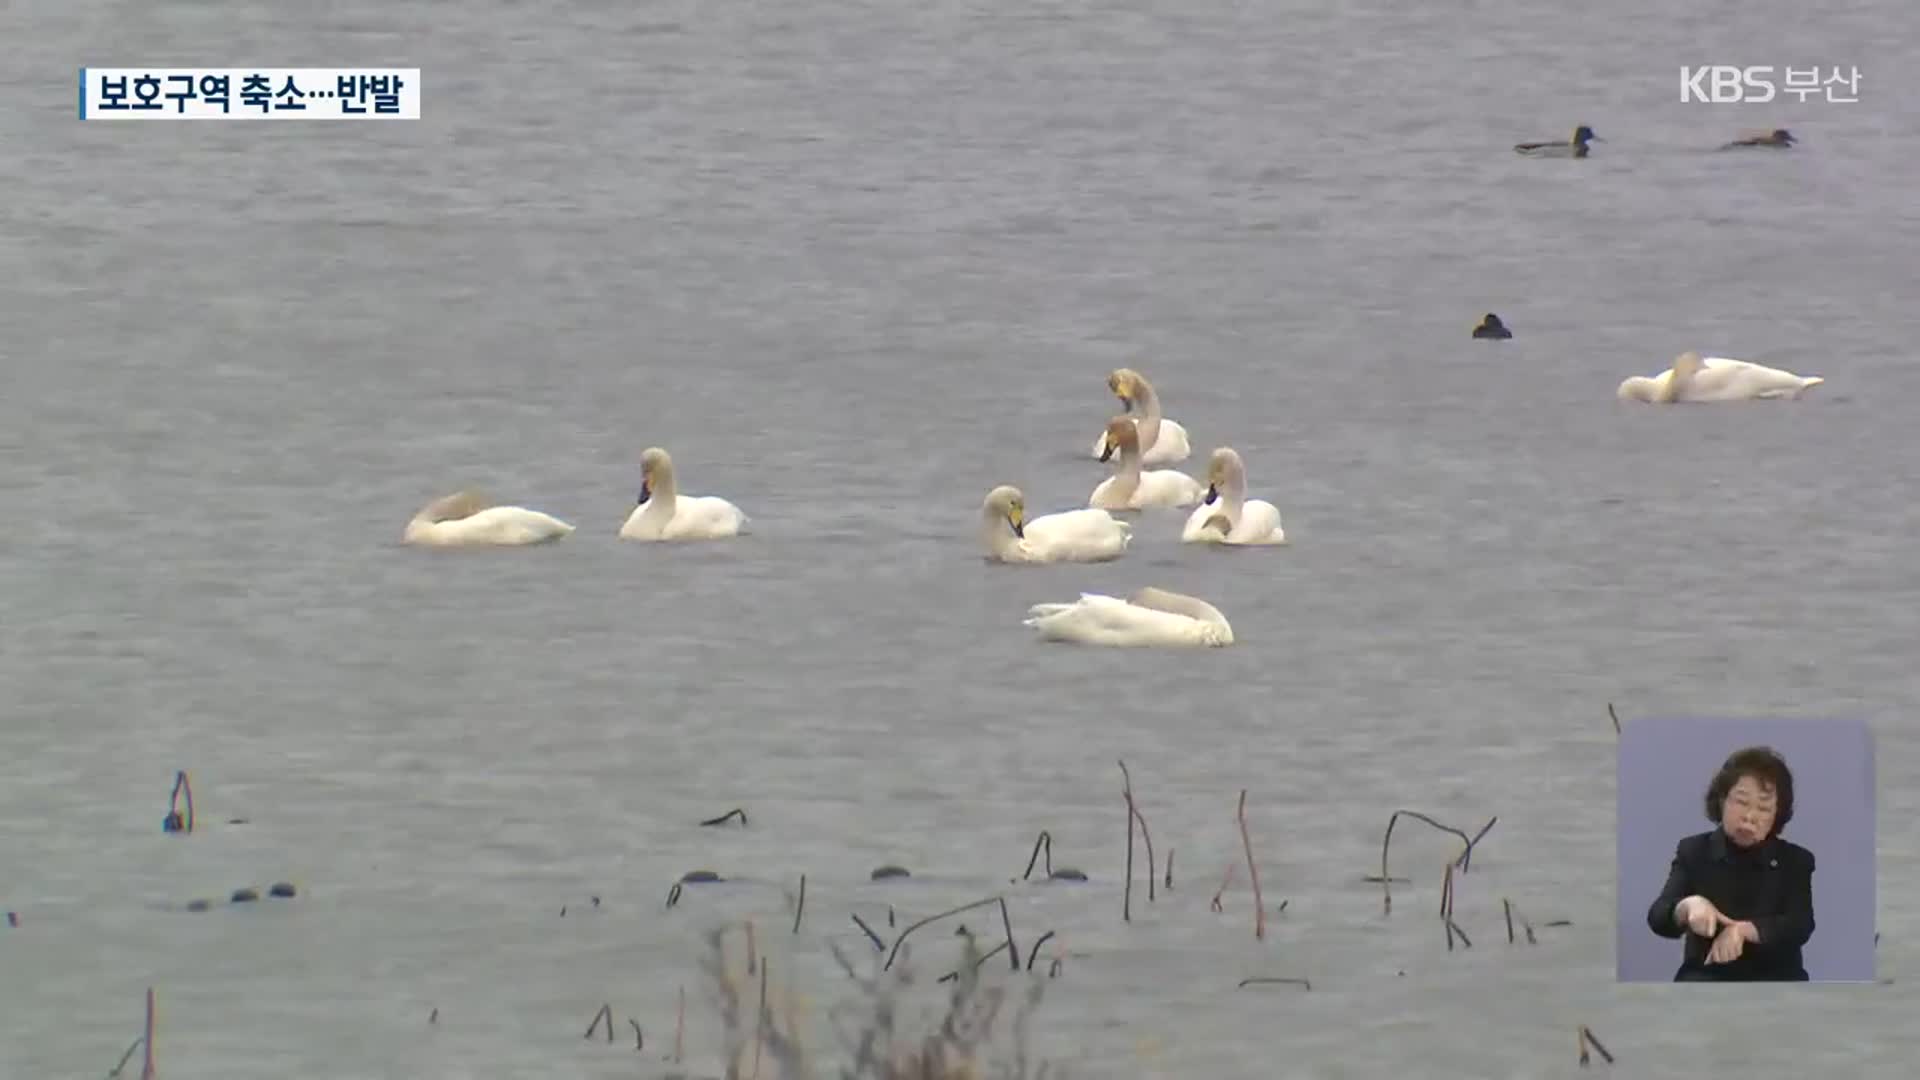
{"points": [[1464, 861]]}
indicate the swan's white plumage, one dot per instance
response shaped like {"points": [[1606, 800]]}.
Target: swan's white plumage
{"points": [[1162, 441], [1226, 515], [1696, 379], [1070, 536], [1132, 488], [470, 519], [1150, 617], [662, 513]]}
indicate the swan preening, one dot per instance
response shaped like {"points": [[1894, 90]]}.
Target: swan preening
{"points": [[1149, 617], [1715, 378], [1070, 536], [470, 519], [1162, 441], [1131, 488], [662, 513], [1227, 516]]}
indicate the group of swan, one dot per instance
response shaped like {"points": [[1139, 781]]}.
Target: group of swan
{"points": [[1222, 514], [470, 519], [1694, 379]]}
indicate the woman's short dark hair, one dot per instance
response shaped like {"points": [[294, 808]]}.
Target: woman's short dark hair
{"points": [[1764, 764]]}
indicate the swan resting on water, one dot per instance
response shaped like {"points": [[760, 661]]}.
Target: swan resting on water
{"points": [[1069, 536], [470, 519], [1227, 516], [662, 513], [1162, 441], [1130, 488], [1149, 617], [1715, 378]]}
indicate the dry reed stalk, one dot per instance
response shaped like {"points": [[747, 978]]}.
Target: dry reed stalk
{"points": [[606, 1011], [1256, 982], [800, 907], [1126, 895], [1043, 842], [147, 1070], [1225, 880], [1253, 873], [1146, 837], [752, 956], [680, 1026], [933, 918], [1464, 861], [1586, 1040], [736, 812]]}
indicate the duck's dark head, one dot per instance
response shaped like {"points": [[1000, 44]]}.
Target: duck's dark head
{"points": [[1584, 134], [1784, 137], [1492, 322]]}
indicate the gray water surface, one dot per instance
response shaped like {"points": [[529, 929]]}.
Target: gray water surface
{"points": [[855, 264]]}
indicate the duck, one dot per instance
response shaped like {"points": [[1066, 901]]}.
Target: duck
{"points": [[662, 513], [1574, 147], [468, 518], [1164, 441], [1697, 379], [1150, 617], [1130, 488], [1226, 515], [1491, 328], [1780, 137], [1087, 535]]}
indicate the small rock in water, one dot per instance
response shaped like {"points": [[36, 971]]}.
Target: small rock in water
{"points": [[699, 877], [245, 896], [885, 872], [1066, 874], [282, 889]]}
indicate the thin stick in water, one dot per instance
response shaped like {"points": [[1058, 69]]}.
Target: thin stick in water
{"points": [[736, 812], [1126, 895], [800, 908], [1225, 880], [1006, 920], [901, 940], [1586, 1037], [147, 1070], [639, 1039], [760, 1021], [1034, 952], [1253, 873], [878, 945], [1145, 836], [1616, 718], [604, 1011], [1043, 842], [1169, 881], [1257, 982], [680, 1025]]}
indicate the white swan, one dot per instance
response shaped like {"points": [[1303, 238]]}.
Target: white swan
{"points": [[1148, 617], [1131, 489], [1227, 516], [1070, 536], [662, 513], [470, 519], [1165, 441], [1715, 378]]}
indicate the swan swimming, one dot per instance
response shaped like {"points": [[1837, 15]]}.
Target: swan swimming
{"points": [[1165, 441], [1070, 536], [662, 513], [1149, 617], [1715, 378], [1227, 516], [470, 519], [1131, 489]]}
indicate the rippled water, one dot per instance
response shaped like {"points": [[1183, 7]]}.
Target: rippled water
{"points": [[855, 264]]}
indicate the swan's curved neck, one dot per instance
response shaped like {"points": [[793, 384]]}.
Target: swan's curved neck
{"points": [[1126, 479], [1233, 492], [660, 491], [1149, 423], [1181, 604], [996, 535]]}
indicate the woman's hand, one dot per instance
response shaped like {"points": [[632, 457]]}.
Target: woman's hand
{"points": [[1732, 941], [1699, 915]]}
